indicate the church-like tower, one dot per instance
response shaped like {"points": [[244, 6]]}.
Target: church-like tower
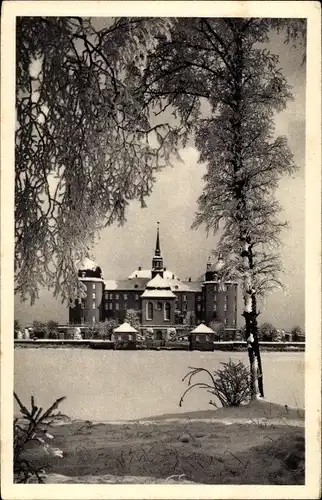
{"points": [[157, 261]]}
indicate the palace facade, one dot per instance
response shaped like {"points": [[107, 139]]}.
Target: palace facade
{"points": [[158, 295]]}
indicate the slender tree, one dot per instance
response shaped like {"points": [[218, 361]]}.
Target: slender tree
{"points": [[226, 86], [133, 319], [83, 140]]}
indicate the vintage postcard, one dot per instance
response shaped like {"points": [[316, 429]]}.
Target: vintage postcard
{"points": [[160, 250]]}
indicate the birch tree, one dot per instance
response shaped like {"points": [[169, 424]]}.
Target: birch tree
{"points": [[225, 85], [84, 143]]}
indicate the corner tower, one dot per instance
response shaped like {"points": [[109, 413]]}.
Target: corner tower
{"points": [[157, 261], [90, 308]]}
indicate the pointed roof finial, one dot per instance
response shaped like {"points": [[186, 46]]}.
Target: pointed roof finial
{"points": [[209, 263], [157, 246]]}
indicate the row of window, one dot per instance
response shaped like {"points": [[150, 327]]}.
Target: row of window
{"points": [[224, 288], [220, 288], [109, 306], [110, 296], [150, 310]]}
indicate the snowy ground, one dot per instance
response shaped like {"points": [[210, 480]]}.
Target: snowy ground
{"points": [[116, 385]]}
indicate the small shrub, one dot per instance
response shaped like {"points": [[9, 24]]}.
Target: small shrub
{"points": [[52, 330], [33, 429], [267, 332], [296, 332], [230, 384]]}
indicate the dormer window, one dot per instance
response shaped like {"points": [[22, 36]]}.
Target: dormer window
{"points": [[136, 286]]}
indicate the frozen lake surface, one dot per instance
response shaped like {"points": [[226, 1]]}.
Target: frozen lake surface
{"points": [[124, 385]]}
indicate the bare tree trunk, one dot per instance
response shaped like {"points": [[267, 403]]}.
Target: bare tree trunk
{"points": [[250, 314]]}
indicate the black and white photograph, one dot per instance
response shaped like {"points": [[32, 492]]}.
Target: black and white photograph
{"points": [[160, 270]]}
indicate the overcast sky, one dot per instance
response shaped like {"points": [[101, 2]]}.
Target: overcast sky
{"points": [[185, 251]]}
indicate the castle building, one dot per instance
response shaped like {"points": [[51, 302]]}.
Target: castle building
{"points": [[158, 295]]}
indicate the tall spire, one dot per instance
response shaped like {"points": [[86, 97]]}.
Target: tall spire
{"points": [[157, 246], [157, 261]]}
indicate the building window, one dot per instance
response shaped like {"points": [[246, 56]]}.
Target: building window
{"points": [[83, 275], [215, 307], [185, 298], [125, 296], [136, 286], [197, 338], [94, 295], [225, 307], [110, 306], [111, 296], [159, 306], [117, 296], [224, 288], [199, 307], [82, 320], [207, 338], [199, 298], [119, 337], [117, 306], [130, 336], [149, 311], [83, 304], [167, 309], [106, 305], [215, 288], [136, 296], [234, 322], [226, 298], [215, 298], [93, 305], [185, 307], [93, 286]]}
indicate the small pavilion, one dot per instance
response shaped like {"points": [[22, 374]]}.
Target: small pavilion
{"points": [[125, 333], [202, 337]]}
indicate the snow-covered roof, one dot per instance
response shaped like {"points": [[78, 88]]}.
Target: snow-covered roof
{"points": [[91, 279], [158, 282], [125, 328], [185, 286], [140, 284], [202, 328], [87, 264], [126, 285], [158, 294], [147, 273], [158, 288], [141, 273]]}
